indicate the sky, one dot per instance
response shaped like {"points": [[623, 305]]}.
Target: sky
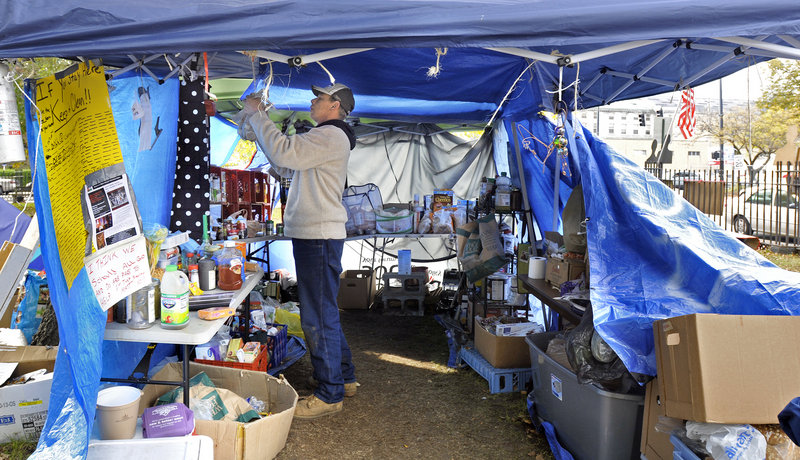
{"points": [[734, 86]]}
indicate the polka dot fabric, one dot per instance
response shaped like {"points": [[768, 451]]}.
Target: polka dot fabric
{"points": [[190, 195]]}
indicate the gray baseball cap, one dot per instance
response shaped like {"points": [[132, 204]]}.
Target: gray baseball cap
{"points": [[339, 92]]}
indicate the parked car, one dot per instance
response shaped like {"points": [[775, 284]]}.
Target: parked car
{"points": [[7, 185], [680, 177], [764, 210]]}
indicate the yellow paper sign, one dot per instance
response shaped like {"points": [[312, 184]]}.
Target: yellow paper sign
{"points": [[78, 138]]}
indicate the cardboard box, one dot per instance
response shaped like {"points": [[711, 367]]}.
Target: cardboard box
{"points": [[558, 271], [502, 352], [259, 439], [356, 289], [655, 445], [728, 368], [23, 408]]}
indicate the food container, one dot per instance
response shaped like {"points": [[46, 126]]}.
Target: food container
{"points": [[394, 220], [141, 307]]}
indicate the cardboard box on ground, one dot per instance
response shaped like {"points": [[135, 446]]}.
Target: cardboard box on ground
{"points": [[727, 368], [23, 407], [501, 352], [356, 289], [655, 444], [259, 439]]}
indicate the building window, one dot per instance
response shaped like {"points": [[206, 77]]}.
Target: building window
{"points": [[640, 152], [694, 153], [611, 128], [635, 131], [646, 132], [623, 129]]}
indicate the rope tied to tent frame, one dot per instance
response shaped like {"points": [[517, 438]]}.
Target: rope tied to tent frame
{"points": [[435, 70]]}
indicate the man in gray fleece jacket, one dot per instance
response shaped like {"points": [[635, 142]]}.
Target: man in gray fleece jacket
{"points": [[315, 220]]}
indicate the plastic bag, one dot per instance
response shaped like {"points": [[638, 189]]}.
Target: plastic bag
{"points": [[443, 221], [601, 351], [612, 376], [203, 408], [361, 201], [154, 234], [291, 320], [736, 442], [27, 315]]}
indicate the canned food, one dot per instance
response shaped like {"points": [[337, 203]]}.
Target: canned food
{"points": [[270, 227], [279, 229]]}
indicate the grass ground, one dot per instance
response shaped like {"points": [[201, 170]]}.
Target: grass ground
{"points": [[16, 450]]}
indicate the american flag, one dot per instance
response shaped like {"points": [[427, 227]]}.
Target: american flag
{"points": [[686, 118]]}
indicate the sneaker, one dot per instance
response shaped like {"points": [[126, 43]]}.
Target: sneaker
{"points": [[312, 407], [349, 388]]}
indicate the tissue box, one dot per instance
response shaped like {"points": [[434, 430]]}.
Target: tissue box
{"points": [[167, 420]]}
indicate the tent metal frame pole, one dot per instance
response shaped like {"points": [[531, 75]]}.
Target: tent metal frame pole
{"points": [[657, 81], [788, 51], [590, 84], [790, 40], [721, 61], [300, 60], [602, 52], [725, 49], [136, 63], [524, 186], [522, 52], [640, 75]]}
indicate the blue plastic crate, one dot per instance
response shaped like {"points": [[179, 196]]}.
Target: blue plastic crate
{"points": [[500, 380], [681, 451]]}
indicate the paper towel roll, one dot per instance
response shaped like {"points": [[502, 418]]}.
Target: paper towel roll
{"points": [[536, 268]]}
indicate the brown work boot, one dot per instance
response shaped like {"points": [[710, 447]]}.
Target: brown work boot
{"points": [[349, 388], [312, 407]]}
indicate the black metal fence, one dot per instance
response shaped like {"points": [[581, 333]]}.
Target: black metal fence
{"points": [[761, 203], [15, 185]]}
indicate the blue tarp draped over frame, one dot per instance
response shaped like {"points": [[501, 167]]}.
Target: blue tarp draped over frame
{"points": [[84, 357], [652, 255]]}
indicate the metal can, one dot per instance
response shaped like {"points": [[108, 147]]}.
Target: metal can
{"points": [[270, 228], [279, 229]]}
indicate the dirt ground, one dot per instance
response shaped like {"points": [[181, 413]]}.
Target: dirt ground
{"points": [[410, 404]]}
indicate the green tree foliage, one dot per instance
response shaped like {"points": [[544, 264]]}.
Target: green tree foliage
{"points": [[783, 87], [755, 135]]}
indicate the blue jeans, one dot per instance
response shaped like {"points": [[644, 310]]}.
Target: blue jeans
{"points": [[319, 264]]}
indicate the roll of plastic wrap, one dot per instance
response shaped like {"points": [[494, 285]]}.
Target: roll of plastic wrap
{"points": [[536, 268]]}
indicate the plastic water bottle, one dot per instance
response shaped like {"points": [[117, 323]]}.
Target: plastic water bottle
{"points": [[174, 299], [502, 195]]}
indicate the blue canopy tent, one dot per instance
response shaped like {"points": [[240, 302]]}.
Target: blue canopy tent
{"points": [[508, 59]]}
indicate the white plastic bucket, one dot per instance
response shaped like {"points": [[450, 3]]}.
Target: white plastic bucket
{"points": [[117, 412]]}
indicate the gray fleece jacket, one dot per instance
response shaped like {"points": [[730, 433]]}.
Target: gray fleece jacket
{"points": [[317, 163]]}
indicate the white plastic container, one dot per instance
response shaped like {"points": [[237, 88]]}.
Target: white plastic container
{"points": [[174, 299], [502, 194]]}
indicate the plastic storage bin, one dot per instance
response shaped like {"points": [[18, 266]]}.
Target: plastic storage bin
{"points": [[593, 424]]}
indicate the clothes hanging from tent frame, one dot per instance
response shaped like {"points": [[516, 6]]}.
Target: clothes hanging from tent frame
{"points": [[190, 197]]}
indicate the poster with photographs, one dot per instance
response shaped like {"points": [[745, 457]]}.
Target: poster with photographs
{"points": [[113, 216]]}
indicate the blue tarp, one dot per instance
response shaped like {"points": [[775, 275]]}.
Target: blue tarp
{"points": [[84, 356], [13, 222]]}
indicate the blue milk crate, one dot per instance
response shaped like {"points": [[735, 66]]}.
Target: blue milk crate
{"points": [[681, 452], [500, 380]]}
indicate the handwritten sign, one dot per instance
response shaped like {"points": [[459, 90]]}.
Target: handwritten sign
{"points": [[118, 270], [78, 138]]}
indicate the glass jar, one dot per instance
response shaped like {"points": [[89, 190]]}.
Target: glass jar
{"points": [[140, 307], [230, 267]]}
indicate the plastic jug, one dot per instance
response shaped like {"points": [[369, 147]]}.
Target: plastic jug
{"points": [[230, 267], [174, 299], [502, 195]]}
